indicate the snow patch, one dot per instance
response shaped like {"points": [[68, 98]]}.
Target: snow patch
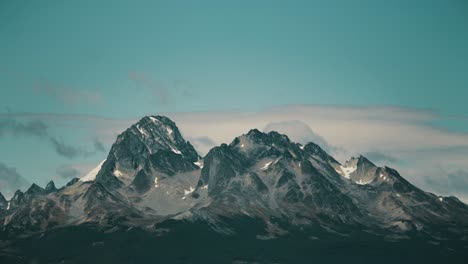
{"points": [[346, 171], [117, 173], [8, 206], [189, 191], [169, 131], [205, 187], [142, 131], [199, 164], [361, 182], [441, 199], [156, 185], [242, 145], [153, 119], [302, 147], [176, 151], [265, 167], [91, 176]]}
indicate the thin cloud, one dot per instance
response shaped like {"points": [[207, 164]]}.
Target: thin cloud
{"points": [[67, 172], [72, 152], [298, 131], [11, 180], [380, 157], [32, 127], [65, 150], [39, 129], [161, 92], [448, 183], [98, 145], [164, 94], [202, 144], [68, 95]]}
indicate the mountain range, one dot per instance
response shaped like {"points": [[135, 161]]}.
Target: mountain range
{"points": [[260, 199]]}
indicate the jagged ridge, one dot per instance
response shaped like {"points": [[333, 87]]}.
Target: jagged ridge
{"points": [[153, 174]]}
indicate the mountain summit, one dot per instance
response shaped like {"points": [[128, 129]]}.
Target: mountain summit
{"points": [[261, 186], [151, 136]]}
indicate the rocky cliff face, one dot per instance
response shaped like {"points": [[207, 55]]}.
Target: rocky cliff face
{"points": [[151, 136]]}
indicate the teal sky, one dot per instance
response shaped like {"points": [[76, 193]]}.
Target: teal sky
{"points": [[124, 59]]}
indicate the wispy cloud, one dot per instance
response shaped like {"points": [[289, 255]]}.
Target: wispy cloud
{"points": [[380, 157], [446, 182], [11, 180], [68, 95], [39, 129], [67, 172], [162, 93], [298, 131], [32, 127], [98, 145], [66, 150], [202, 144]]}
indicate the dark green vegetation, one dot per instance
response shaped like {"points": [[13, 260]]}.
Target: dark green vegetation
{"points": [[189, 242]]}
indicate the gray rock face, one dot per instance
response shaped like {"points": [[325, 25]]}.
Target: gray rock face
{"points": [[267, 174], [132, 148], [152, 174], [162, 164], [50, 187], [33, 191], [17, 199], [11, 180], [3, 202]]}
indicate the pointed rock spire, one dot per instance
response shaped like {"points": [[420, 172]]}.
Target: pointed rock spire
{"points": [[3, 201], [33, 191], [316, 151], [17, 199], [73, 181], [50, 187]]}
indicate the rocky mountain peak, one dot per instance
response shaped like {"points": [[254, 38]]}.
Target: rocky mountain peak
{"points": [[360, 170], [17, 199], [50, 187], [358, 161], [315, 151], [269, 138], [257, 145], [158, 133], [72, 181], [364, 161], [33, 191], [130, 152]]}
